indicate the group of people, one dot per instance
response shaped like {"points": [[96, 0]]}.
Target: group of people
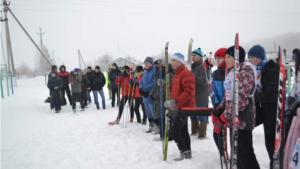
{"points": [[81, 86], [257, 91]]}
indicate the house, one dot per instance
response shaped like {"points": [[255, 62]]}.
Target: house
{"points": [[121, 62]]}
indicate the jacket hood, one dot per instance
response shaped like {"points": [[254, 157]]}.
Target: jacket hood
{"points": [[62, 66]]}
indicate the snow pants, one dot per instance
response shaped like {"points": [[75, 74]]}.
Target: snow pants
{"points": [[180, 133]]}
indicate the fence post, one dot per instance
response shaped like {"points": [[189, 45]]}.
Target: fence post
{"points": [[7, 85], [2, 94], [12, 84]]}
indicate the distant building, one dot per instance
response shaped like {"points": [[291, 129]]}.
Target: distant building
{"points": [[121, 62]]}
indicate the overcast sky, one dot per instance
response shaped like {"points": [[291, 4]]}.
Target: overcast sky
{"points": [[142, 28]]}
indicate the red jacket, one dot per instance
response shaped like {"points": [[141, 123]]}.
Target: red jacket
{"points": [[137, 92], [183, 88], [65, 78], [126, 88]]}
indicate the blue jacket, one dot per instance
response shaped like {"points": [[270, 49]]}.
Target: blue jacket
{"points": [[147, 83], [111, 76], [218, 78]]}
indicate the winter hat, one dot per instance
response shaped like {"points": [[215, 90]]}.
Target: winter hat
{"points": [[114, 64], [97, 67], [89, 67], [198, 52], [76, 70], [221, 53], [149, 60], [53, 67], [242, 53], [179, 57], [139, 68], [257, 51], [126, 67]]}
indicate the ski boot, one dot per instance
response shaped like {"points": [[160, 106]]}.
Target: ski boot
{"points": [[184, 155], [114, 122]]}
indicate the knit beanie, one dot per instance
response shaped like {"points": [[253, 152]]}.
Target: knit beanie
{"points": [[97, 67], [89, 67], [198, 52], [179, 57], [221, 53], [257, 51], [126, 67], [149, 60], [139, 68], [76, 70], [114, 64], [53, 67], [242, 53]]}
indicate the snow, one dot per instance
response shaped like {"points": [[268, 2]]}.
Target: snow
{"points": [[34, 137]]}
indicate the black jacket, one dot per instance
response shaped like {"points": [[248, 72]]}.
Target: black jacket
{"points": [[266, 101], [97, 81]]}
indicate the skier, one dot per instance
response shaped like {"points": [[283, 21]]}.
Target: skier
{"points": [[217, 86], [83, 88], [55, 84], [87, 76], [123, 81], [114, 72], [246, 158], [75, 79], [145, 87], [267, 78], [182, 95], [97, 82], [64, 75], [138, 100], [155, 93], [201, 87]]}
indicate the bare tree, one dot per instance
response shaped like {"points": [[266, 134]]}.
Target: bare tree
{"points": [[24, 70], [103, 60]]}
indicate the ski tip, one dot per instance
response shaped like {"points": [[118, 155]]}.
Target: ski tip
{"points": [[237, 40]]}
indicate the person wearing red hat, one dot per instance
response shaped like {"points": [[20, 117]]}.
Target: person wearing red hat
{"points": [[217, 87]]}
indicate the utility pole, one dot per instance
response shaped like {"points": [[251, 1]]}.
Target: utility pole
{"points": [[5, 5], [41, 39], [79, 58]]}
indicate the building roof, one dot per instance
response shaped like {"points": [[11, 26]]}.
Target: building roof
{"points": [[122, 62]]}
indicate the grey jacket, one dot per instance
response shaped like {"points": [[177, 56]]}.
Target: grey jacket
{"points": [[201, 87], [155, 92]]}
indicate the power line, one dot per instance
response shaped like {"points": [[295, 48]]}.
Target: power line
{"points": [[146, 13], [153, 6]]}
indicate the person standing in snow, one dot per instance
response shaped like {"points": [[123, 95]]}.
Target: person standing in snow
{"points": [[55, 84], [138, 100], [53, 69], [97, 82], [114, 72], [246, 156], [201, 86], [64, 75], [182, 95], [126, 89], [217, 86], [84, 87], [75, 79], [108, 85], [145, 87], [155, 93], [87, 76], [267, 78]]}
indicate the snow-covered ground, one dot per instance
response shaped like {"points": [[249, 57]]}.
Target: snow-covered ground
{"points": [[34, 137]]}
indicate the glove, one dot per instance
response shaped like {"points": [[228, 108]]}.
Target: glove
{"points": [[143, 93], [170, 103], [160, 82], [218, 111], [213, 118], [219, 123]]}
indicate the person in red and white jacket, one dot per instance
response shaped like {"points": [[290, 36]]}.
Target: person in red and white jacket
{"points": [[246, 105], [126, 92], [138, 100], [64, 75]]}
